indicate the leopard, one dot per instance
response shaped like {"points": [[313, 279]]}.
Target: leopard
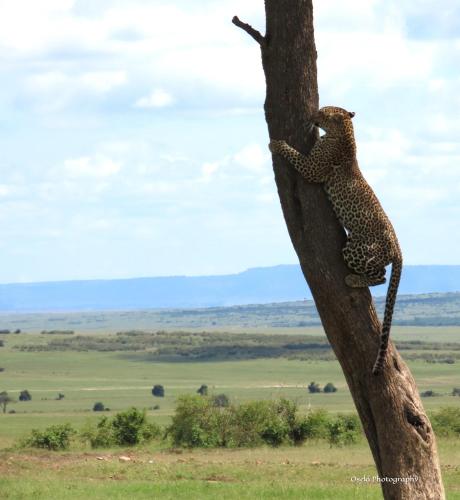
{"points": [[371, 242]]}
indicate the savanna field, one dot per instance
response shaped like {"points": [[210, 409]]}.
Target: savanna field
{"points": [[119, 369]]}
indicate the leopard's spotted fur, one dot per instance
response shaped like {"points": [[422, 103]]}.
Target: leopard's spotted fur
{"points": [[371, 243]]}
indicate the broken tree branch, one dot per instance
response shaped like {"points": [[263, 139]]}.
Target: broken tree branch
{"points": [[249, 29]]}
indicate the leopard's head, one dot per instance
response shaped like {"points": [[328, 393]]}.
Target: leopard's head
{"points": [[334, 120]]}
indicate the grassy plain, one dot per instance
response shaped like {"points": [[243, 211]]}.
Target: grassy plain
{"points": [[313, 471], [124, 379]]}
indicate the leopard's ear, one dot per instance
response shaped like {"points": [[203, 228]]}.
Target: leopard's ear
{"points": [[351, 114]]}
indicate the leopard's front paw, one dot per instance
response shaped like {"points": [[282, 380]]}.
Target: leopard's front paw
{"points": [[276, 146]]}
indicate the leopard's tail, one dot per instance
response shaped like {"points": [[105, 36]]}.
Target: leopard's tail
{"points": [[396, 269]]}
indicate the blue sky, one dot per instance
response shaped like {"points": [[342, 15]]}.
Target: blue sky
{"points": [[134, 143]]}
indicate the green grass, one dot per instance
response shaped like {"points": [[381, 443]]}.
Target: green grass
{"points": [[121, 380], [313, 471]]}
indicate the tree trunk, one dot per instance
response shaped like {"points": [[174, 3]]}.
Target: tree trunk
{"points": [[396, 426]]}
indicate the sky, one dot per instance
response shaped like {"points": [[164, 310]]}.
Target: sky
{"points": [[133, 141]]}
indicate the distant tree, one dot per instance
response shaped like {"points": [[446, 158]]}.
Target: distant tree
{"points": [[18, 330], [2, 343], [456, 391], [25, 395], [98, 406], [60, 396], [330, 387], [203, 390], [2, 369], [5, 332], [313, 388], [221, 400], [5, 400], [428, 394], [158, 391]]}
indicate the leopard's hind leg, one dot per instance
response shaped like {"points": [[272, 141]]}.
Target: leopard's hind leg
{"points": [[368, 263]]}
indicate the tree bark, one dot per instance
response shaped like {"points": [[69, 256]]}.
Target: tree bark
{"points": [[398, 431]]}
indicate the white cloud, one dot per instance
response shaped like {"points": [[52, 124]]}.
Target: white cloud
{"points": [[4, 190], [97, 81], [53, 91], [158, 98], [86, 166], [253, 158], [102, 81]]}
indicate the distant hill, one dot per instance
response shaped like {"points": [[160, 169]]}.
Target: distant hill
{"points": [[255, 286]]}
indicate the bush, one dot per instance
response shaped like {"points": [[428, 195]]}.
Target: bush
{"points": [[456, 391], [25, 396], [130, 427], [5, 400], [158, 391], [258, 422], [203, 390], [446, 421], [124, 429], [315, 424], [344, 430], [98, 406], [428, 394], [329, 387], [314, 388], [55, 437], [101, 436], [220, 400], [197, 422]]}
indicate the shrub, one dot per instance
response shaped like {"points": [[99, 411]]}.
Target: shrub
{"points": [[329, 387], [5, 400], [55, 437], [60, 396], [25, 396], [313, 388], [100, 436], [197, 422], [203, 390], [158, 391], [150, 431], [428, 394], [124, 429], [130, 427], [315, 424], [258, 422], [344, 430], [446, 421], [220, 400], [456, 391], [98, 406]]}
